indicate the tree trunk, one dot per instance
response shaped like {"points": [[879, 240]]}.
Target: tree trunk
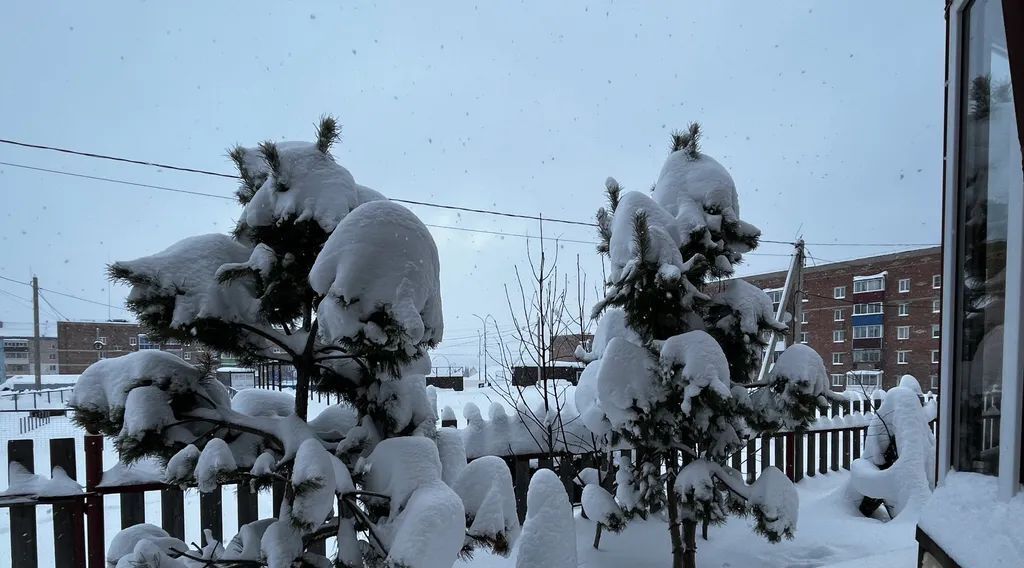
{"points": [[673, 521], [690, 540], [301, 391]]}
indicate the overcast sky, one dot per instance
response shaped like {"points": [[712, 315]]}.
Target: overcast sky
{"points": [[827, 114]]}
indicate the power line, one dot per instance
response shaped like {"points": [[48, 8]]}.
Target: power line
{"points": [[55, 310], [115, 158], [120, 181], [65, 294]]}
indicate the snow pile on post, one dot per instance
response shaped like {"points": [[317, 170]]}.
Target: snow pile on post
{"points": [[548, 539], [899, 440], [485, 487]]}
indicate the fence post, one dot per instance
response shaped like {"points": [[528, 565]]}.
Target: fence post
{"points": [[823, 452], [811, 452], [94, 501], [790, 461], [779, 459], [248, 504], [798, 456], [766, 442], [856, 441], [521, 483], [23, 517], [751, 461], [133, 508], [834, 450], [68, 516], [172, 512], [211, 516]]}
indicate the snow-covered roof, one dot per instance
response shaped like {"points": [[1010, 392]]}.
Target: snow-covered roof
{"points": [[30, 380], [234, 370], [872, 276]]}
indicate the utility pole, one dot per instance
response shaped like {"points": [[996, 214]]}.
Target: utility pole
{"points": [[483, 322], [792, 291], [35, 333]]}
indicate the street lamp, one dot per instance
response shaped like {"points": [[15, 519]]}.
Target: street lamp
{"points": [[483, 322]]}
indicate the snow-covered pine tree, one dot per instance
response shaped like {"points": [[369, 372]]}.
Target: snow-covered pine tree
{"points": [[672, 372], [331, 278]]}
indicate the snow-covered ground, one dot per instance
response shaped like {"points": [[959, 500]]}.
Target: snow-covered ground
{"points": [[829, 532]]}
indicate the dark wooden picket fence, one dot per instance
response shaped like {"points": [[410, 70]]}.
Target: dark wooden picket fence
{"points": [[78, 521]]}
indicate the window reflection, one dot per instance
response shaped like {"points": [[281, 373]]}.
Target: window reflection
{"points": [[989, 168]]}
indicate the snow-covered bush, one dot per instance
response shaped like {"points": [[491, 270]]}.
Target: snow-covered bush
{"points": [[331, 278], [673, 368], [549, 533], [897, 467]]}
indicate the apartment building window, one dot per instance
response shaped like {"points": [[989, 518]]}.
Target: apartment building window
{"points": [[936, 305], [903, 332], [904, 285], [867, 309], [803, 337], [133, 341], [53, 356], [837, 358], [868, 285], [903, 357], [839, 292], [803, 316], [53, 367], [904, 309], [936, 281], [933, 380], [837, 379], [775, 296], [867, 331], [936, 331], [867, 355], [188, 356], [838, 335], [837, 315], [935, 355]]}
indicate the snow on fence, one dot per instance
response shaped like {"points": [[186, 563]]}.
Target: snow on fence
{"points": [[78, 516]]}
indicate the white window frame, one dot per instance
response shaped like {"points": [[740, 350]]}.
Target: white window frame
{"points": [[936, 305], [838, 335], [837, 358], [863, 309], [187, 356], [904, 285], [803, 317], [838, 379], [803, 337], [936, 331], [903, 357], [869, 359], [837, 315], [881, 330], [934, 382], [936, 281], [935, 355], [133, 340], [839, 292], [902, 332], [904, 309], [868, 285]]}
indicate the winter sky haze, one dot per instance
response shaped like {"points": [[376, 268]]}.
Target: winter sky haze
{"points": [[827, 114]]}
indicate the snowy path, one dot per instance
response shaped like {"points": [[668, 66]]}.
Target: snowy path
{"points": [[828, 535]]}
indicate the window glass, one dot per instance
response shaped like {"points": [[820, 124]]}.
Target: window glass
{"points": [[838, 335], [837, 358], [868, 285], [864, 309], [904, 309], [839, 292], [837, 315], [905, 285], [989, 167], [867, 355], [903, 332], [867, 331], [903, 357]]}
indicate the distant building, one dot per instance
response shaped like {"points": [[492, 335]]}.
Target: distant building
{"points": [[19, 356], [563, 347], [529, 375], [872, 319], [82, 343]]}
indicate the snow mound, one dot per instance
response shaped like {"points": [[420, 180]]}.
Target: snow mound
{"points": [[313, 482], [798, 375], [664, 239], [307, 186], [625, 381], [426, 524], [906, 484], [23, 483], [601, 507], [381, 260], [548, 538], [749, 304], [263, 402], [144, 545], [104, 386], [697, 359], [485, 487], [186, 274]]}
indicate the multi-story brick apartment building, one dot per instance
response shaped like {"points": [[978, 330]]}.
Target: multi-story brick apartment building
{"points": [[872, 319], [19, 356], [82, 343]]}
